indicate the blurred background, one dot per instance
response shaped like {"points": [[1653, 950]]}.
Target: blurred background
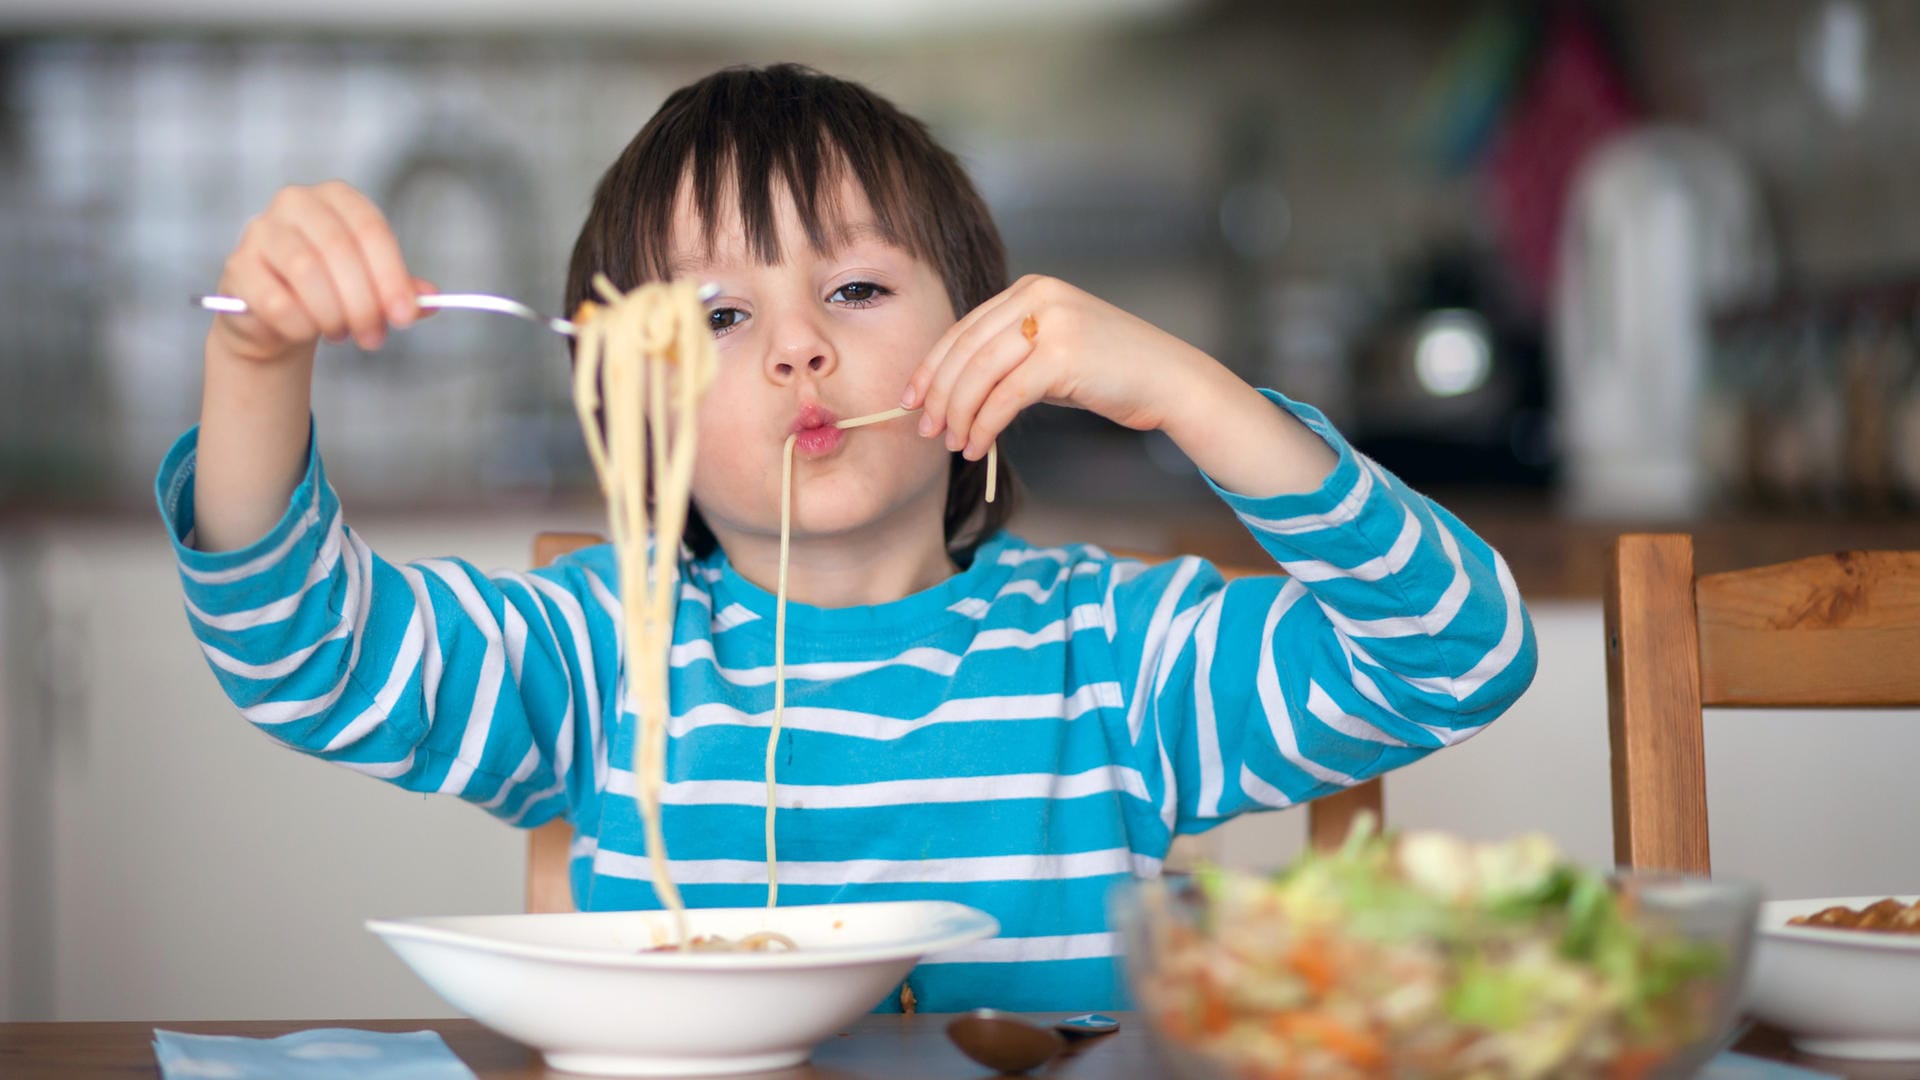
{"points": [[1570, 267]]}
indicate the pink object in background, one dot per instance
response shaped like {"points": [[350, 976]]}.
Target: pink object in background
{"points": [[1572, 99]]}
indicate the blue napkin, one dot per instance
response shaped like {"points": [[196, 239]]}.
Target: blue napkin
{"points": [[320, 1054], [1728, 1065]]}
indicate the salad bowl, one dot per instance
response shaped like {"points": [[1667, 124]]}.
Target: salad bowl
{"points": [[1424, 956]]}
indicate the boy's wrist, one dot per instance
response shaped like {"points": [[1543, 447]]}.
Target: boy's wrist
{"points": [[1203, 391], [1244, 442]]}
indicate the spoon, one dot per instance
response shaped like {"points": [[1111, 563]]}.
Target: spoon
{"points": [[1014, 1044]]}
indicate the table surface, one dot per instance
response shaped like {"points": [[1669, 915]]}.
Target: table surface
{"points": [[892, 1046]]}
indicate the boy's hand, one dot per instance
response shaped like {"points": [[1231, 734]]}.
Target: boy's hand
{"points": [[1082, 352], [319, 262], [1044, 340]]}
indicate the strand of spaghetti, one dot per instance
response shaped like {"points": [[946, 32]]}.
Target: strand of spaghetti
{"points": [[993, 448], [780, 621], [779, 659], [874, 418]]}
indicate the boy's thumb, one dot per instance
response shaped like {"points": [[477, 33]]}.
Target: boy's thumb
{"points": [[421, 287]]}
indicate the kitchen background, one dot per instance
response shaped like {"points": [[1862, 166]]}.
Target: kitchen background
{"points": [[1571, 267]]}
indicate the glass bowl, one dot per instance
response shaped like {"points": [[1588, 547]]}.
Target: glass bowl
{"points": [[1233, 986]]}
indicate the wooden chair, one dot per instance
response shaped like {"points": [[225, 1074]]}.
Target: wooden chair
{"points": [[548, 846], [1838, 630]]}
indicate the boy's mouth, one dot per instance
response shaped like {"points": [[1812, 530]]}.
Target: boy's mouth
{"points": [[817, 435]]}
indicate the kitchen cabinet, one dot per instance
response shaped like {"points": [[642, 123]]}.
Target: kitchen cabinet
{"points": [[193, 866]]}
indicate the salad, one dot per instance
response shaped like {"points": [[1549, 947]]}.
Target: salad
{"points": [[1421, 955]]}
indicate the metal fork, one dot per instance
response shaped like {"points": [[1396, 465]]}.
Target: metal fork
{"points": [[500, 305]]}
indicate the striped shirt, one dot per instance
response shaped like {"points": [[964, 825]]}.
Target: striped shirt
{"points": [[1020, 737]]}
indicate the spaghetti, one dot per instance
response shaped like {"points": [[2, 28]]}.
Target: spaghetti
{"points": [[780, 613], [643, 360]]}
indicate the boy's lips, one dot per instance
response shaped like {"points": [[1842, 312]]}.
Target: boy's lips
{"points": [[817, 435]]}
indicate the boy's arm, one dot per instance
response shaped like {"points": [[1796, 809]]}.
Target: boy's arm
{"points": [[318, 262], [1395, 631], [430, 675]]}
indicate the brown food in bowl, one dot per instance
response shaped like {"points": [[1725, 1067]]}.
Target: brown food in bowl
{"points": [[1887, 916]]}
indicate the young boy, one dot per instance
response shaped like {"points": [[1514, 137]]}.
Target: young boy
{"points": [[968, 717]]}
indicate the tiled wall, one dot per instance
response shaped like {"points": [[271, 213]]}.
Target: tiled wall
{"points": [[1842, 186]]}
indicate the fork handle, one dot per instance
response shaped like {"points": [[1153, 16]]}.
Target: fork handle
{"points": [[233, 305]]}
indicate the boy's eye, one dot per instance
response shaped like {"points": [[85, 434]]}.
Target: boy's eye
{"points": [[721, 320], [858, 294]]}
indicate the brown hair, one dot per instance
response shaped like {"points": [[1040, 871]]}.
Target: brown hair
{"points": [[740, 129]]}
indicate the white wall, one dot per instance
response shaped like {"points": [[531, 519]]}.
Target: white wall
{"points": [[1805, 803], [199, 868], [202, 871]]}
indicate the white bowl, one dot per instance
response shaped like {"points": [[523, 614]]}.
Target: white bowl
{"points": [[576, 987], [1837, 993]]}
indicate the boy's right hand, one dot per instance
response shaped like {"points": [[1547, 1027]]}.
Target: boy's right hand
{"points": [[320, 261]]}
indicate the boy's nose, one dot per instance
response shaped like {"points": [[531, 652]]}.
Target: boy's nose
{"points": [[818, 364], [799, 346]]}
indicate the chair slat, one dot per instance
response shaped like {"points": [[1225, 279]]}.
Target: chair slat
{"points": [[1834, 630], [550, 547], [1331, 817], [550, 846], [1653, 706]]}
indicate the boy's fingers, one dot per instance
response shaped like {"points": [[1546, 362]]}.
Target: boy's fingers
{"points": [[996, 414], [995, 362], [922, 378], [286, 252], [378, 247], [347, 267], [988, 320], [271, 305]]}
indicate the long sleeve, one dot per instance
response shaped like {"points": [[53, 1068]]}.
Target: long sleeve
{"points": [[1389, 630], [431, 675]]}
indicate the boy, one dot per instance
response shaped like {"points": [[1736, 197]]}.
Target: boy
{"points": [[969, 717]]}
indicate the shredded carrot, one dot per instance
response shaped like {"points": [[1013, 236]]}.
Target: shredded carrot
{"points": [[1635, 1064], [1312, 960], [1357, 1048], [1173, 1021], [1215, 1017]]}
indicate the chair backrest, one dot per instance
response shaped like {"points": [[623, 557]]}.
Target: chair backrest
{"points": [[1839, 630], [549, 846]]}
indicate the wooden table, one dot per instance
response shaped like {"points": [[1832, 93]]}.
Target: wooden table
{"points": [[893, 1047]]}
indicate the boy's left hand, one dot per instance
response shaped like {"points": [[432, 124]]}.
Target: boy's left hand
{"points": [[1083, 352]]}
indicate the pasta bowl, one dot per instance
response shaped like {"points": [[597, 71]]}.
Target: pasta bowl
{"points": [[587, 992], [1837, 993]]}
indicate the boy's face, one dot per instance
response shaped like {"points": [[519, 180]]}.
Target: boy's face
{"points": [[821, 336]]}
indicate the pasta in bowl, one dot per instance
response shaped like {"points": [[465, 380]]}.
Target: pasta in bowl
{"points": [[1841, 988], [596, 993], [1423, 956]]}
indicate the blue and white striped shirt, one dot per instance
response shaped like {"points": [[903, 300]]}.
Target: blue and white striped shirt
{"points": [[1019, 738]]}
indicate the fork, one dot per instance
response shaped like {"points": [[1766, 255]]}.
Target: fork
{"points": [[500, 305]]}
